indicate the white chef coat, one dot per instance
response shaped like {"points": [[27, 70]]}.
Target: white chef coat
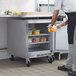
{"points": [[67, 6]]}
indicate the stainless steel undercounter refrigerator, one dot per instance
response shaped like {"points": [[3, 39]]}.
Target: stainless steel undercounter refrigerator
{"points": [[29, 38]]}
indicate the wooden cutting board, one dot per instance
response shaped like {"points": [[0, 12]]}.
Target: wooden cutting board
{"points": [[36, 13]]}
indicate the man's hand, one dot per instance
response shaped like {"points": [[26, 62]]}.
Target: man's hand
{"points": [[62, 24], [58, 26], [49, 26]]}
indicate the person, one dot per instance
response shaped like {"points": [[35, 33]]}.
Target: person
{"points": [[68, 6]]}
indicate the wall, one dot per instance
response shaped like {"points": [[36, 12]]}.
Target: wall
{"points": [[46, 1], [18, 5]]}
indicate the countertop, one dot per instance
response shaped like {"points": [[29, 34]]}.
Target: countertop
{"points": [[27, 16]]}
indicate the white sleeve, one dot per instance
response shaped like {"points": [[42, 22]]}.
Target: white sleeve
{"points": [[58, 4]]}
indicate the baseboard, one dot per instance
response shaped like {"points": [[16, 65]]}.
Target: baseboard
{"points": [[4, 54]]}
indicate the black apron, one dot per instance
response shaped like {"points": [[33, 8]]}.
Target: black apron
{"points": [[71, 26]]}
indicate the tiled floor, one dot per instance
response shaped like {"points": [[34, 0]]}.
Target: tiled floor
{"points": [[39, 67]]}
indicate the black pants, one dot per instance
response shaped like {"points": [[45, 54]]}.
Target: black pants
{"points": [[71, 26]]}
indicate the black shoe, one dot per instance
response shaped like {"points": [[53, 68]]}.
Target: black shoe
{"points": [[72, 73], [63, 68]]}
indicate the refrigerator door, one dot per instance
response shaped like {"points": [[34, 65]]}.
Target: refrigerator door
{"points": [[62, 39]]}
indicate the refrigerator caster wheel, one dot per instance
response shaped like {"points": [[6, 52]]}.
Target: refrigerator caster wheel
{"points": [[12, 58], [53, 57], [28, 63], [50, 59]]}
